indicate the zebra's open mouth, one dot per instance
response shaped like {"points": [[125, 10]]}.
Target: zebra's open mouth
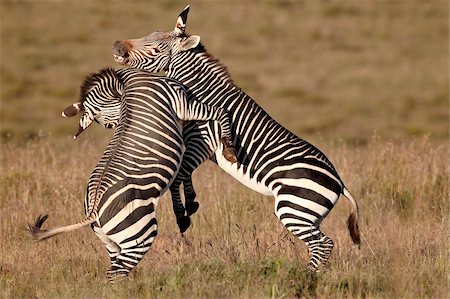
{"points": [[120, 59]]}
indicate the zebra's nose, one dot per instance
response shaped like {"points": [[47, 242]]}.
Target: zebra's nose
{"points": [[121, 48]]}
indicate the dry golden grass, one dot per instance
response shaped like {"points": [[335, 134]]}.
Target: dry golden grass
{"points": [[236, 246], [331, 72]]}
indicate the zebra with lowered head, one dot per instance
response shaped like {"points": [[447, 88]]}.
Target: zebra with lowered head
{"points": [[272, 160], [139, 163]]}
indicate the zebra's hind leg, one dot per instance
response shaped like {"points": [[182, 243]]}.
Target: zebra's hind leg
{"points": [[112, 248], [183, 221], [327, 245], [128, 258], [301, 216], [115, 271], [320, 251], [134, 238]]}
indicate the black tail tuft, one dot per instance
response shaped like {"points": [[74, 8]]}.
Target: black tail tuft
{"points": [[353, 228], [35, 229]]}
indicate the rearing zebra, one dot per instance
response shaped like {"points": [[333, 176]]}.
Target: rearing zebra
{"points": [[274, 161], [140, 162]]}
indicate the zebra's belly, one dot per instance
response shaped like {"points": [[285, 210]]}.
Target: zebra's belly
{"points": [[238, 174]]}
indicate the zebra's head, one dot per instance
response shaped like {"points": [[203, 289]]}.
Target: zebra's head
{"points": [[99, 101], [155, 51]]}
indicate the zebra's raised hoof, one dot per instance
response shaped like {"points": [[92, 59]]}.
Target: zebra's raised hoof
{"points": [[230, 154], [183, 223], [192, 207]]}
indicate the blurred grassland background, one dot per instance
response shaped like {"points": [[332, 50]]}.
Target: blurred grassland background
{"points": [[321, 68], [365, 81]]}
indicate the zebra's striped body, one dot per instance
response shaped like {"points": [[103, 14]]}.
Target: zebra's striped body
{"points": [[274, 161], [139, 163]]}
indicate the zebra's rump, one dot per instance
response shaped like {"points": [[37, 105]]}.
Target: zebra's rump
{"points": [[126, 191]]}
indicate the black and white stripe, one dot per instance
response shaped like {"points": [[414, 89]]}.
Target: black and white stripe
{"points": [[140, 162], [274, 161]]}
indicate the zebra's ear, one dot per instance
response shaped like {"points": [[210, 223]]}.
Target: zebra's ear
{"points": [[180, 26], [85, 122], [190, 43], [72, 110]]}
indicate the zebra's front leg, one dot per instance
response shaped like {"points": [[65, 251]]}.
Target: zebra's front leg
{"points": [[201, 142], [201, 111], [189, 196], [183, 221]]}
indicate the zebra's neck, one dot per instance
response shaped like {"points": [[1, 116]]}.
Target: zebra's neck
{"points": [[199, 72], [208, 81]]}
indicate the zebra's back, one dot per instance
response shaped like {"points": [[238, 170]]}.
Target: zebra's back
{"points": [[145, 152]]}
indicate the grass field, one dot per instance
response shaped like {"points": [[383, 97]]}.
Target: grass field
{"points": [[236, 247], [366, 82]]}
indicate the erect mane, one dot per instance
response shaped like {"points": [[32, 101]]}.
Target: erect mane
{"points": [[94, 79], [201, 49]]}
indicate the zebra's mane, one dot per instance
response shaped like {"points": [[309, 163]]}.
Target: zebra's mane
{"points": [[94, 79], [224, 70]]}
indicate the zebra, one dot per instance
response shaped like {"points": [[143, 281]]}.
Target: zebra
{"points": [[106, 110], [139, 163], [272, 160]]}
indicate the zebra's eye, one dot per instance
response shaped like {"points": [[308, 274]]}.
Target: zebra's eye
{"points": [[154, 51]]}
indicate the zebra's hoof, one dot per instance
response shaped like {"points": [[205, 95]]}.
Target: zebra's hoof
{"points": [[230, 154], [192, 207], [183, 223]]}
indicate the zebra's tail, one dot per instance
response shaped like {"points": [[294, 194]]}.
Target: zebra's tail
{"points": [[352, 221], [39, 234]]}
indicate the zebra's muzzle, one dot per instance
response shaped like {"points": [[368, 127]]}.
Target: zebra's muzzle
{"points": [[120, 52], [120, 59]]}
